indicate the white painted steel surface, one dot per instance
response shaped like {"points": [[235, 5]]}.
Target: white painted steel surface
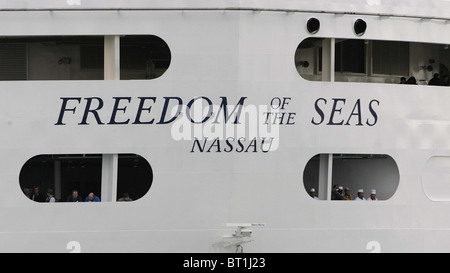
{"points": [[233, 54]]}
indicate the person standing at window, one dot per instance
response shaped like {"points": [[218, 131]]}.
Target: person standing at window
{"points": [[37, 196], [92, 198], [312, 193], [373, 196], [50, 197], [360, 196], [74, 197], [347, 195]]}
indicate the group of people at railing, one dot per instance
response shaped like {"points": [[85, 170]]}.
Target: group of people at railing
{"points": [[339, 193], [35, 194], [437, 80]]}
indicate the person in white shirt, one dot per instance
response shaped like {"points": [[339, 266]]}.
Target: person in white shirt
{"points": [[360, 196], [50, 196], [312, 193], [373, 196]]}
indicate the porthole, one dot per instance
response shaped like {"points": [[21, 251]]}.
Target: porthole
{"points": [[81, 177], [313, 25], [360, 27], [369, 176]]}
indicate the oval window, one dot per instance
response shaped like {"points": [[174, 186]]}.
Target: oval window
{"points": [[85, 177], [80, 57], [372, 61], [351, 177]]}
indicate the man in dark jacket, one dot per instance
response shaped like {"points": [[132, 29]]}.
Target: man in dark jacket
{"points": [[74, 197], [37, 195], [436, 80]]}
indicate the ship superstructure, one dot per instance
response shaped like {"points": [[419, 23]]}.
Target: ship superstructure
{"points": [[217, 119]]}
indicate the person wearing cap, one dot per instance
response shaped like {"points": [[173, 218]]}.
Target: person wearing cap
{"points": [[347, 195], [312, 193], [360, 196], [373, 196]]}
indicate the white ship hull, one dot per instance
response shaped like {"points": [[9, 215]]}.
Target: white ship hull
{"points": [[201, 190]]}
